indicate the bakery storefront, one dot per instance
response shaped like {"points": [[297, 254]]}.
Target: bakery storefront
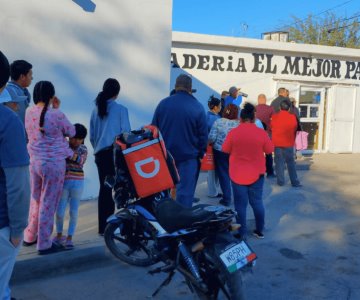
{"points": [[325, 81]]}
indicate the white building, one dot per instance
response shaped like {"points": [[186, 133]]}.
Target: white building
{"points": [[324, 80], [77, 44]]}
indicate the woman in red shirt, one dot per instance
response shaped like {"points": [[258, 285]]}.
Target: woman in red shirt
{"points": [[246, 145]]}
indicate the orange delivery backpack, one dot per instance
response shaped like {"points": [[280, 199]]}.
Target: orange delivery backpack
{"points": [[151, 167]]}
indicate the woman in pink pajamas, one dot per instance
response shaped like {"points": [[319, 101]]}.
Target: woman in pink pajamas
{"points": [[46, 127]]}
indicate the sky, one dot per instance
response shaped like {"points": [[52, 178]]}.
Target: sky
{"points": [[250, 19]]}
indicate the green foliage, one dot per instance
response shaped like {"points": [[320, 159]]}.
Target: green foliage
{"points": [[329, 30]]}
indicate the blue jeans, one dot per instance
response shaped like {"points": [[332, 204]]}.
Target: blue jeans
{"points": [[72, 192], [222, 168], [7, 261], [283, 155], [189, 173], [244, 194]]}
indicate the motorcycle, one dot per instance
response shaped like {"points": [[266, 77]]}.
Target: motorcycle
{"points": [[196, 242]]}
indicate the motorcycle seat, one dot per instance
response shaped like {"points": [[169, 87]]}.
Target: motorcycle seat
{"points": [[172, 216]]}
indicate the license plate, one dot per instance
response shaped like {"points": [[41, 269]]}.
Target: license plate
{"points": [[237, 256]]}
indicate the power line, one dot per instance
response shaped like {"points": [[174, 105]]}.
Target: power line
{"points": [[342, 4], [341, 27], [325, 11], [345, 19]]}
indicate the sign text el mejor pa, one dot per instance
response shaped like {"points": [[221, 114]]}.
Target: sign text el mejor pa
{"points": [[264, 63]]}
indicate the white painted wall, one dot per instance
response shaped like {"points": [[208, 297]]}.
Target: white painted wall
{"points": [[78, 50], [263, 74]]}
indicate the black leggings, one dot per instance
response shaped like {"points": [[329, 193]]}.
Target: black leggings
{"points": [[104, 160]]}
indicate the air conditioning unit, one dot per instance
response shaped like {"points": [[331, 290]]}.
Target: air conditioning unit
{"points": [[277, 36]]}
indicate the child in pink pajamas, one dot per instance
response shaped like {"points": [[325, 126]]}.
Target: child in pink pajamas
{"points": [[46, 127]]}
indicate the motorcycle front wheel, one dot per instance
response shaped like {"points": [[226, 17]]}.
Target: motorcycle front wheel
{"points": [[127, 245]]}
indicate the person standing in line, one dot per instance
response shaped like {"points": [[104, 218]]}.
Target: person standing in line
{"points": [[217, 135], [214, 105], [10, 102], [108, 120], [73, 187], [294, 109], [181, 120], [264, 113], [246, 145], [21, 77], [282, 95], [224, 94], [287, 93], [283, 127], [233, 97], [47, 128], [14, 185]]}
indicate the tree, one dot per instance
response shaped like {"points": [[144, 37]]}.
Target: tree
{"points": [[329, 30]]}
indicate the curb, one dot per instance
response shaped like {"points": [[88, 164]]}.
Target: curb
{"points": [[82, 258]]}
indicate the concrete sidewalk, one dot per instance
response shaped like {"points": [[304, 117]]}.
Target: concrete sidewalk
{"points": [[89, 250], [330, 181]]}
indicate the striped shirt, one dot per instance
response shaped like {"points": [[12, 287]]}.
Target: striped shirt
{"points": [[74, 165]]}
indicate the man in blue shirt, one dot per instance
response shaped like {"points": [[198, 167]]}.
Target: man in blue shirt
{"points": [[182, 122], [21, 76], [234, 97], [14, 185]]}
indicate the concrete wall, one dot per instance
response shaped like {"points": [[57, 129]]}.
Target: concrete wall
{"points": [[78, 44]]}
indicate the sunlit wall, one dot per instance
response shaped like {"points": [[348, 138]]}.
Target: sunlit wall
{"points": [[78, 44]]}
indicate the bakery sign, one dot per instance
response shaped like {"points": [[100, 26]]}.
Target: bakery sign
{"points": [[270, 64]]}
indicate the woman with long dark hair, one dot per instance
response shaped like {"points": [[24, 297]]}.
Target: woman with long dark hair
{"points": [[108, 120], [247, 145], [46, 127]]}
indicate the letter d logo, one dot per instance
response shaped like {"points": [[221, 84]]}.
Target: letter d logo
{"points": [[140, 163]]}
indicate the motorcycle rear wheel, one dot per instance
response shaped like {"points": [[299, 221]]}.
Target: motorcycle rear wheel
{"points": [[127, 246], [221, 285]]}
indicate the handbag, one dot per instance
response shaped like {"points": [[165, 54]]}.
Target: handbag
{"points": [[301, 140], [207, 162]]}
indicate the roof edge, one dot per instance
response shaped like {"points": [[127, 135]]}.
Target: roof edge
{"points": [[246, 43]]}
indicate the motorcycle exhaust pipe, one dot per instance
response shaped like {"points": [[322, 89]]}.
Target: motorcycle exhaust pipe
{"points": [[234, 227]]}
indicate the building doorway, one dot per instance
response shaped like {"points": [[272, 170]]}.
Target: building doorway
{"points": [[311, 100], [312, 115]]}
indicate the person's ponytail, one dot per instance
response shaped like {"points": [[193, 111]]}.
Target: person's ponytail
{"points": [[101, 103], [42, 117], [111, 89], [44, 91]]}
